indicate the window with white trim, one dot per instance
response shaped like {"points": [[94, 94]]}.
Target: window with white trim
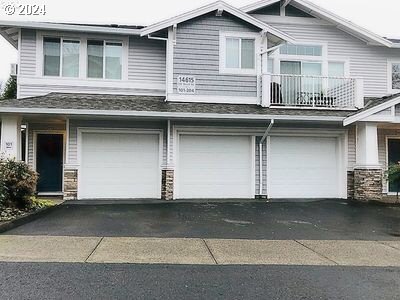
{"points": [[303, 50], [238, 54], [61, 57], [104, 59], [395, 76]]}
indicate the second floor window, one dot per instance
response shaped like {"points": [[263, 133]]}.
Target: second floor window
{"points": [[104, 59], [61, 57], [240, 53]]}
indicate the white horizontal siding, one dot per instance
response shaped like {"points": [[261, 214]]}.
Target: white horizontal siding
{"points": [[32, 90], [367, 62], [146, 70], [351, 153], [147, 60], [264, 166], [27, 63]]}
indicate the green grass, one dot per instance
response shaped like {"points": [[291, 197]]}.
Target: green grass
{"points": [[41, 203]]}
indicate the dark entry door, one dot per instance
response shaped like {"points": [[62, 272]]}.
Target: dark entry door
{"points": [[393, 158], [49, 162]]}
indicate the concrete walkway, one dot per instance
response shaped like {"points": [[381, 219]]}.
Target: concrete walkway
{"points": [[197, 251]]}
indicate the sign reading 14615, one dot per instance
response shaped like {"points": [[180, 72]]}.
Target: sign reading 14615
{"points": [[186, 84]]}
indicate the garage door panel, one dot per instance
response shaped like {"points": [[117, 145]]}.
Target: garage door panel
{"points": [[120, 165], [215, 167], [304, 167]]}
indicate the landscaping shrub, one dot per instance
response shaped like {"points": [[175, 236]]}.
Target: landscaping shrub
{"points": [[18, 181], [2, 191]]}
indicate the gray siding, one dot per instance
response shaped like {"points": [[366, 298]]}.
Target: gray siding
{"points": [[147, 60], [32, 127], [27, 64], [368, 62], [197, 53]]}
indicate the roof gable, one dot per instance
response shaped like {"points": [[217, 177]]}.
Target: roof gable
{"points": [[216, 6], [321, 13], [378, 110]]}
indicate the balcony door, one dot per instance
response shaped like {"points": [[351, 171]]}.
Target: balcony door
{"points": [[302, 81]]}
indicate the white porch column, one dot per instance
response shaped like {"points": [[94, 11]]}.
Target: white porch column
{"points": [[367, 146], [11, 136], [368, 175]]}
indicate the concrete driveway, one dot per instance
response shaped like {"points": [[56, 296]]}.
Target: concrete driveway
{"points": [[322, 220]]}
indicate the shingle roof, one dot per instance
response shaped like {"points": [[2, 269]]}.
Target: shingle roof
{"points": [[372, 102], [100, 102]]}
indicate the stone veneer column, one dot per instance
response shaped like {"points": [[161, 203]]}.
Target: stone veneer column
{"points": [[368, 175], [70, 184], [368, 184], [167, 184], [350, 184]]}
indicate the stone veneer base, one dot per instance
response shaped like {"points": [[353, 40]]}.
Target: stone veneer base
{"points": [[167, 184], [70, 184], [368, 184]]}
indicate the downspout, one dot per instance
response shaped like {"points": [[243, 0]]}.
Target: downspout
{"points": [[260, 148]]}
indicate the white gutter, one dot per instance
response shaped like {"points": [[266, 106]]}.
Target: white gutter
{"points": [[122, 113], [260, 148], [70, 27], [157, 38]]}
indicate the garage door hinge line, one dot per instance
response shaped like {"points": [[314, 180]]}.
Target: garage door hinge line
{"points": [[260, 148]]}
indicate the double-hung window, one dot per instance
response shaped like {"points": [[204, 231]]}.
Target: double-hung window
{"points": [[60, 57], [238, 54], [104, 59], [394, 76]]}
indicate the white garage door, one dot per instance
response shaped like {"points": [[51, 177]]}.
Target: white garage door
{"points": [[215, 167], [119, 165], [304, 167]]}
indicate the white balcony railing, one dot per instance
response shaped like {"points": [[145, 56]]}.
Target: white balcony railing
{"points": [[312, 91]]}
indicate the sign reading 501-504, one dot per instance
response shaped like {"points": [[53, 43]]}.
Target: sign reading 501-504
{"points": [[186, 84]]}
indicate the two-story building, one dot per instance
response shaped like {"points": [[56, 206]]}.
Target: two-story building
{"points": [[279, 99]]}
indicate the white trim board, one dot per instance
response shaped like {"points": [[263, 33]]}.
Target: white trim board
{"points": [[369, 112], [223, 36]]}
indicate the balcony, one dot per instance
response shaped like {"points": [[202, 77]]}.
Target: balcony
{"points": [[314, 92]]}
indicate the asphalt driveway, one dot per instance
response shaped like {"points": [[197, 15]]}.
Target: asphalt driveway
{"points": [[322, 220]]}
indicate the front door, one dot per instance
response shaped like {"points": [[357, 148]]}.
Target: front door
{"points": [[393, 158], [49, 162]]}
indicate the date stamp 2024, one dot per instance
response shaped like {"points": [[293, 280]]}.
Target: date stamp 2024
{"points": [[22, 9]]}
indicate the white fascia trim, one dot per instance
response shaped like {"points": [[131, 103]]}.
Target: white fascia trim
{"points": [[219, 5], [357, 117], [212, 99], [325, 14], [70, 27], [87, 112]]}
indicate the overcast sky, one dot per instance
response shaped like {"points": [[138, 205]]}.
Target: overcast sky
{"points": [[381, 17]]}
